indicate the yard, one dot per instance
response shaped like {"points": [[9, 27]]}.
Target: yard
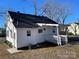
{"points": [[69, 51]]}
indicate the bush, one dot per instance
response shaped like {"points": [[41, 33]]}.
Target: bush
{"points": [[70, 33], [9, 43]]}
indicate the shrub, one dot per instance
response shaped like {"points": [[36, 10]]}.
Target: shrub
{"points": [[70, 33], [9, 43]]}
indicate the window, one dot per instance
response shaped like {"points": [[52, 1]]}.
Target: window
{"points": [[54, 31], [44, 29], [28, 33], [40, 30]]}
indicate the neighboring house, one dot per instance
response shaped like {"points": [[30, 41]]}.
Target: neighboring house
{"points": [[25, 29], [74, 28]]}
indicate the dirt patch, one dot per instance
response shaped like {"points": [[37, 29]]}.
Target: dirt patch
{"points": [[57, 52]]}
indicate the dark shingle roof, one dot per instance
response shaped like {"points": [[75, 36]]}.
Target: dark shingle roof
{"points": [[21, 20]]}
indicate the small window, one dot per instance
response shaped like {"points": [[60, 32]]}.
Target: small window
{"points": [[54, 31], [28, 33], [44, 29], [40, 30]]}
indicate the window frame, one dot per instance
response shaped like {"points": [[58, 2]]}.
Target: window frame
{"points": [[28, 32], [44, 29], [40, 31]]}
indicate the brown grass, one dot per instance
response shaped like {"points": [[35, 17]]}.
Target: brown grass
{"points": [[58, 52]]}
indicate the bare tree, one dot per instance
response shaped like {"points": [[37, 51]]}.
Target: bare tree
{"points": [[35, 6], [55, 11]]}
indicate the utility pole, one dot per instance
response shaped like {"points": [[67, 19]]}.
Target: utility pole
{"points": [[35, 6]]}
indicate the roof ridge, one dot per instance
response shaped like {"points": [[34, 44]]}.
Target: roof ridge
{"points": [[26, 14]]}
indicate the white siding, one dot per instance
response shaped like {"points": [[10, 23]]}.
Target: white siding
{"points": [[52, 37], [74, 27], [24, 40], [10, 27]]}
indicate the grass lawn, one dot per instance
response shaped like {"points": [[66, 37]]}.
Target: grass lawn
{"points": [[57, 52]]}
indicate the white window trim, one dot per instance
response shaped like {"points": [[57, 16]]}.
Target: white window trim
{"points": [[42, 24]]}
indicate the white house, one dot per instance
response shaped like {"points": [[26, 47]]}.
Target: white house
{"points": [[74, 28], [24, 29]]}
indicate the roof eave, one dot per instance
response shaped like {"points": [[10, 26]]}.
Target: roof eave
{"points": [[45, 24]]}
